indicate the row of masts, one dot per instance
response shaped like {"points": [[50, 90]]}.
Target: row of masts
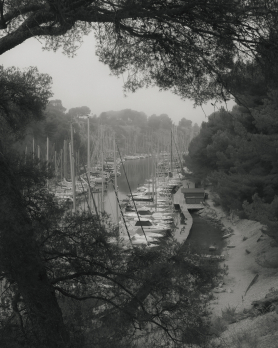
{"points": [[98, 148], [61, 160]]}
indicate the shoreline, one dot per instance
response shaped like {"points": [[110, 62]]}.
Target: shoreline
{"points": [[249, 253]]}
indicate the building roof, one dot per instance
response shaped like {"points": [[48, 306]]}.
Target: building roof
{"points": [[192, 190]]}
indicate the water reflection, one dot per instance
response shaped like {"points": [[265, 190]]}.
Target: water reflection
{"points": [[137, 172], [203, 234]]}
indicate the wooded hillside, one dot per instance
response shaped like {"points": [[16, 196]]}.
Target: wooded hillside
{"points": [[236, 151], [135, 131]]}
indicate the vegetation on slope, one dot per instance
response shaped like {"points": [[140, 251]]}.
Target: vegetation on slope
{"points": [[236, 151]]}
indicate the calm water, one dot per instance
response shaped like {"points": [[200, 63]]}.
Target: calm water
{"points": [[203, 234]]}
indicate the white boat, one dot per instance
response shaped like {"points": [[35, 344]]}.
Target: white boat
{"points": [[163, 209], [147, 225], [148, 210], [128, 157], [142, 210], [112, 174], [133, 215], [143, 198], [163, 201], [97, 180], [213, 257], [162, 220], [152, 234], [163, 215], [139, 237], [154, 217], [63, 197]]}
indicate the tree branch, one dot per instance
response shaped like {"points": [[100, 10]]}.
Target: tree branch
{"points": [[22, 10]]}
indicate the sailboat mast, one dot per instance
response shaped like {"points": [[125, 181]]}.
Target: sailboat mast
{"points": [[89, 165], [33, 149], [171, 150], [71, 174], [72, 166], [55, 164], [155, 182], [61, 161], [65, 159], [102, 173], [116, 180], [153, 193], [47, 159]]}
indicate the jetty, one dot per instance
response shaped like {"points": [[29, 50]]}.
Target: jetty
{"points": [[179, 200]]}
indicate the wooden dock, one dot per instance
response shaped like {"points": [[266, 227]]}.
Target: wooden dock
{"points": [[183, 231]]}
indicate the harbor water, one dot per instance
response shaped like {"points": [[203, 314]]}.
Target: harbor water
{"points": [[203, 233]]}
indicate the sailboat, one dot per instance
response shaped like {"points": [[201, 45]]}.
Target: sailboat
{"points": [[147, 225]]}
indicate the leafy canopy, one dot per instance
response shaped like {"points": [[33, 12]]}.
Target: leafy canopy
{"points": [[24, 95], [186, 46], [237, 151], [51, 259]]}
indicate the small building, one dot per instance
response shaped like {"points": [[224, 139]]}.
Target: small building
{"points": [[193, 195]]}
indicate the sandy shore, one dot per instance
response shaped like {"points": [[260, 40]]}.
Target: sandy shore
{"points": [[249, 252]]}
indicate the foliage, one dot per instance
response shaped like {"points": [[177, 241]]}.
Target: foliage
{"points": [[131, 128], [201, 159], [186, 47], [67, 280], [162, 121], [56, 125], [128, 296], [79, 111], [228, 314], [218, 326], [124, 117], [264, 212], [24, 95], [190, 52], [236, 151], [185, 123], [245, 338], [20, 262]]}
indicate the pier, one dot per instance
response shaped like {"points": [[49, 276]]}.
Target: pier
{"points": [[182, 232]]}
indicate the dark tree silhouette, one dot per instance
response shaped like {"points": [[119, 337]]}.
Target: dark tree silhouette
{"points": [[186, 46]]}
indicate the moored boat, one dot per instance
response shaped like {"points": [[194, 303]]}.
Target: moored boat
{"points": [[147, 225]]}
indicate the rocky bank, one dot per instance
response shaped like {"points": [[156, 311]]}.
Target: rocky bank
{"points": [[251, 259]]}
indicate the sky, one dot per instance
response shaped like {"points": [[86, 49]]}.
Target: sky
{"points": [[84, 81]]}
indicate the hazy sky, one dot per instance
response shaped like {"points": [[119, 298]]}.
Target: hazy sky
{"points": [[84, 81]]}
